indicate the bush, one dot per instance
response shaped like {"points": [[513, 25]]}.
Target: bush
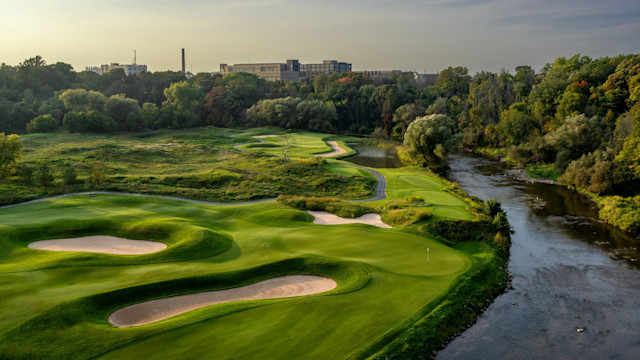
{"points": [[69, 175], [622, 212], [26, 174], [405, 217], [45, 177], [42, 124], [493, 207], [329, 204], [457, 231]]}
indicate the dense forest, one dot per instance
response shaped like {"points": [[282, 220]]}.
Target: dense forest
{"points": [[576, 120]]}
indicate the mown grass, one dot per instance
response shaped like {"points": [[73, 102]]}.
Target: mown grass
{"points": [[55, 305], [304, 143]]}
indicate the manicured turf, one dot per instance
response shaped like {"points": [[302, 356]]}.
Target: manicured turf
{"points": [[304, 144], [55, 305]]}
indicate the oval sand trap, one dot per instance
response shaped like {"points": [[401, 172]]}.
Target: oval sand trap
{"points": [[100, 244], [325, 218], [276, 288], [337, 150]]}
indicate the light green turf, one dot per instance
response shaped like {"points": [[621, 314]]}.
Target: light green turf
{"points": [[416, 182], [55, 305], [305, 143]]}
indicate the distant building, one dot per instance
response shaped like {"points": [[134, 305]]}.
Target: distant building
{"points": [[380, 76], [132, 69], [327, 67], [292, 70]]}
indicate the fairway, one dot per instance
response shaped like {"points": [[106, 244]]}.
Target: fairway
{"points": [[57, 305]]}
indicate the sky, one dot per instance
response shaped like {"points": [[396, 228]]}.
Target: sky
{"points": [[411, 35]]}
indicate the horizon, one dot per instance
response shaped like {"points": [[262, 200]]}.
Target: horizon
{"points": [[488, 35]]}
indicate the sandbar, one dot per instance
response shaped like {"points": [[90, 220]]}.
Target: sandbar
{"points": [[325, 218], [104, 244], [280, 287]]}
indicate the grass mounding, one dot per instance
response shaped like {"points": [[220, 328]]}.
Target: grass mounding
{"points": [[184, 241], [84, 326]]}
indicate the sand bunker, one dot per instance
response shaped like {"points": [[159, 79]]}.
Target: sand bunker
{"points": [[337, 150], [100, 244], [276, 288], [264, 136], [325, 218]]}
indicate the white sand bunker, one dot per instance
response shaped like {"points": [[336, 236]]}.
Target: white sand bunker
{"points": [[276, 288], [264, 136], [325, 218], [337, 150], [100, 244]]}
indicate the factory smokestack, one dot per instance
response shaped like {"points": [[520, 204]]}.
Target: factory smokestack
{"points": [[183, 68]]}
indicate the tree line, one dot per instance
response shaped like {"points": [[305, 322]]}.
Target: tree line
{"points": [[579, 114]]}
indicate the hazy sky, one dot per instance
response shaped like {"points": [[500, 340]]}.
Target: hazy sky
{"points": [[373, 34]]}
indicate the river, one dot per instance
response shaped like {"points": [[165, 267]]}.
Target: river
{"points": [[570, 272]]}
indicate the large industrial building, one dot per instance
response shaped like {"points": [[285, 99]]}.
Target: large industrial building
{"points": [[292, 70], [131, 69]]}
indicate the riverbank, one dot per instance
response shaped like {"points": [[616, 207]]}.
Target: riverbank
{"points": [[563, 275], [621, 212]]}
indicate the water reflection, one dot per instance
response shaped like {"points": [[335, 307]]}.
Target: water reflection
{"points": [[375, 157]]}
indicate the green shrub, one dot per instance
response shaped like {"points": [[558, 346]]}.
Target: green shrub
{"points": [[42, 124], [69, 175], [405, 217], [329, 204], [456, 231], [622, 212]]}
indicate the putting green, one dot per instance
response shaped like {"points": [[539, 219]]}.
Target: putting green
{"points": [[305, 144]]}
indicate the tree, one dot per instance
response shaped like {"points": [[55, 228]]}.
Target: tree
{"points": [[10, 153], [516, 125], [45, 177], [181, 105], [579, 135], [286, 144], [80, 100], [149, 114], [125, 112], [430, 138], [316, 115], [525, 79], [96, 178], [42, 124], [454, 82], [403, 116], [69, 175], [629, 157], [216, 108]]}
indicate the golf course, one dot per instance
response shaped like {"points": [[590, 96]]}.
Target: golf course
{"points": [[184, 252]]}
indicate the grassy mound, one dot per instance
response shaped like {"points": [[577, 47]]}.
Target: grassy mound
{"points": [[184, 241], [83, 322]]}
